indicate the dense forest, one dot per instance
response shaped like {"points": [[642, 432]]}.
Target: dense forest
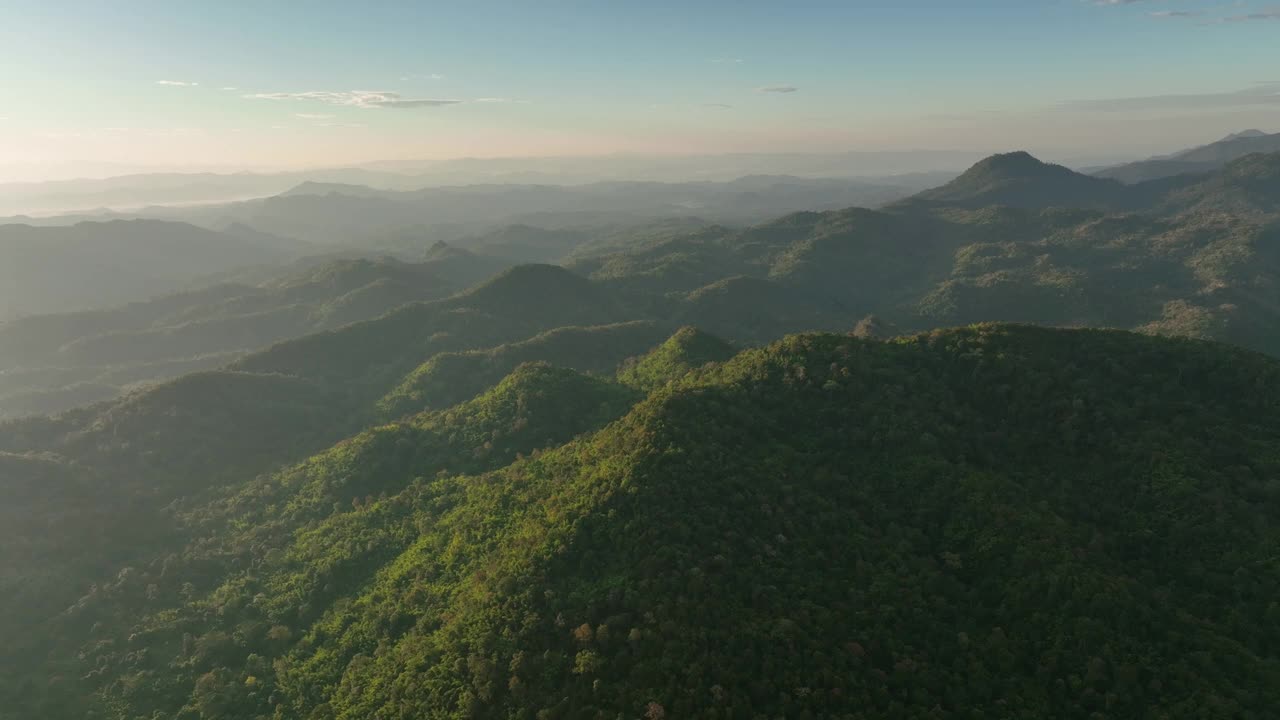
{"points": [[998, 521], [674, 470]]}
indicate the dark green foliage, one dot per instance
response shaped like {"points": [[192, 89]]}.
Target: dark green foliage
{"points": [[754, 309], [1019, 180]]}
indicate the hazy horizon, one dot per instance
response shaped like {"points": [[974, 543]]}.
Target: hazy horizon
{"points": [[99, 91]]}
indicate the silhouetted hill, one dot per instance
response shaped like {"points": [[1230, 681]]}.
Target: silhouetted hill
{"points": [[1020, 180], [527, 244], [750, 309], [544, 295]]}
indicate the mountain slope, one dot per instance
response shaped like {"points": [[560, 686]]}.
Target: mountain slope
{"points": [[1049, 523], [1019, 180], [48, 362], [688, 350], [450, 378]]}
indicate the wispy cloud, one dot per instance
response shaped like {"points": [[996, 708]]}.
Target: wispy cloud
{"points": [[367, 99], [428, 76], [727, 60], [1269, 14], [230, 88], [717, 105], [777, 89], [313, 116], [176, 83], [1171, 14], [1264, 93]]}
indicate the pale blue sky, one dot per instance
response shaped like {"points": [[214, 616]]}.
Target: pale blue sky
{"points": [[270, 83]]}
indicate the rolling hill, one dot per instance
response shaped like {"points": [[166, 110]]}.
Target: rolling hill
{"points": [[1011, 520], [50, 363]]}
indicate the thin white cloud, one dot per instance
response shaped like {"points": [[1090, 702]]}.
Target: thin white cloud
{"points": [[1269, 14], [777, 89], [1172, 14], [726, 61], [313, 116], [717, 105], [230, 88], [367, 99], [176, 83]]}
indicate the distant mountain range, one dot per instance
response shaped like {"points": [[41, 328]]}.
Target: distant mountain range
{"points": [[52, 269], [1205, 158], [352, 215], [1012, 238], [133, 192]]}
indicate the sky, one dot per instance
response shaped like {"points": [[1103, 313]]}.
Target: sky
{"points": [[89, 88]]}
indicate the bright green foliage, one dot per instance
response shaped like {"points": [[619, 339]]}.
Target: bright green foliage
{"points": [[274, 554], [996, 521], [688, 350], [450, 378]]}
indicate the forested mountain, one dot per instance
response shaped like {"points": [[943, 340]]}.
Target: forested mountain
{"points": [[1016, 521], [1196, 257], [1019, 180], [459, 488]]}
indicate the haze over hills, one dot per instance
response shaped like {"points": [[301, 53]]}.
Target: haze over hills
{"points": [[616, 478], [352, 215], [1205, 158], [53, 269], [133, 192], [1010, 239]]}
